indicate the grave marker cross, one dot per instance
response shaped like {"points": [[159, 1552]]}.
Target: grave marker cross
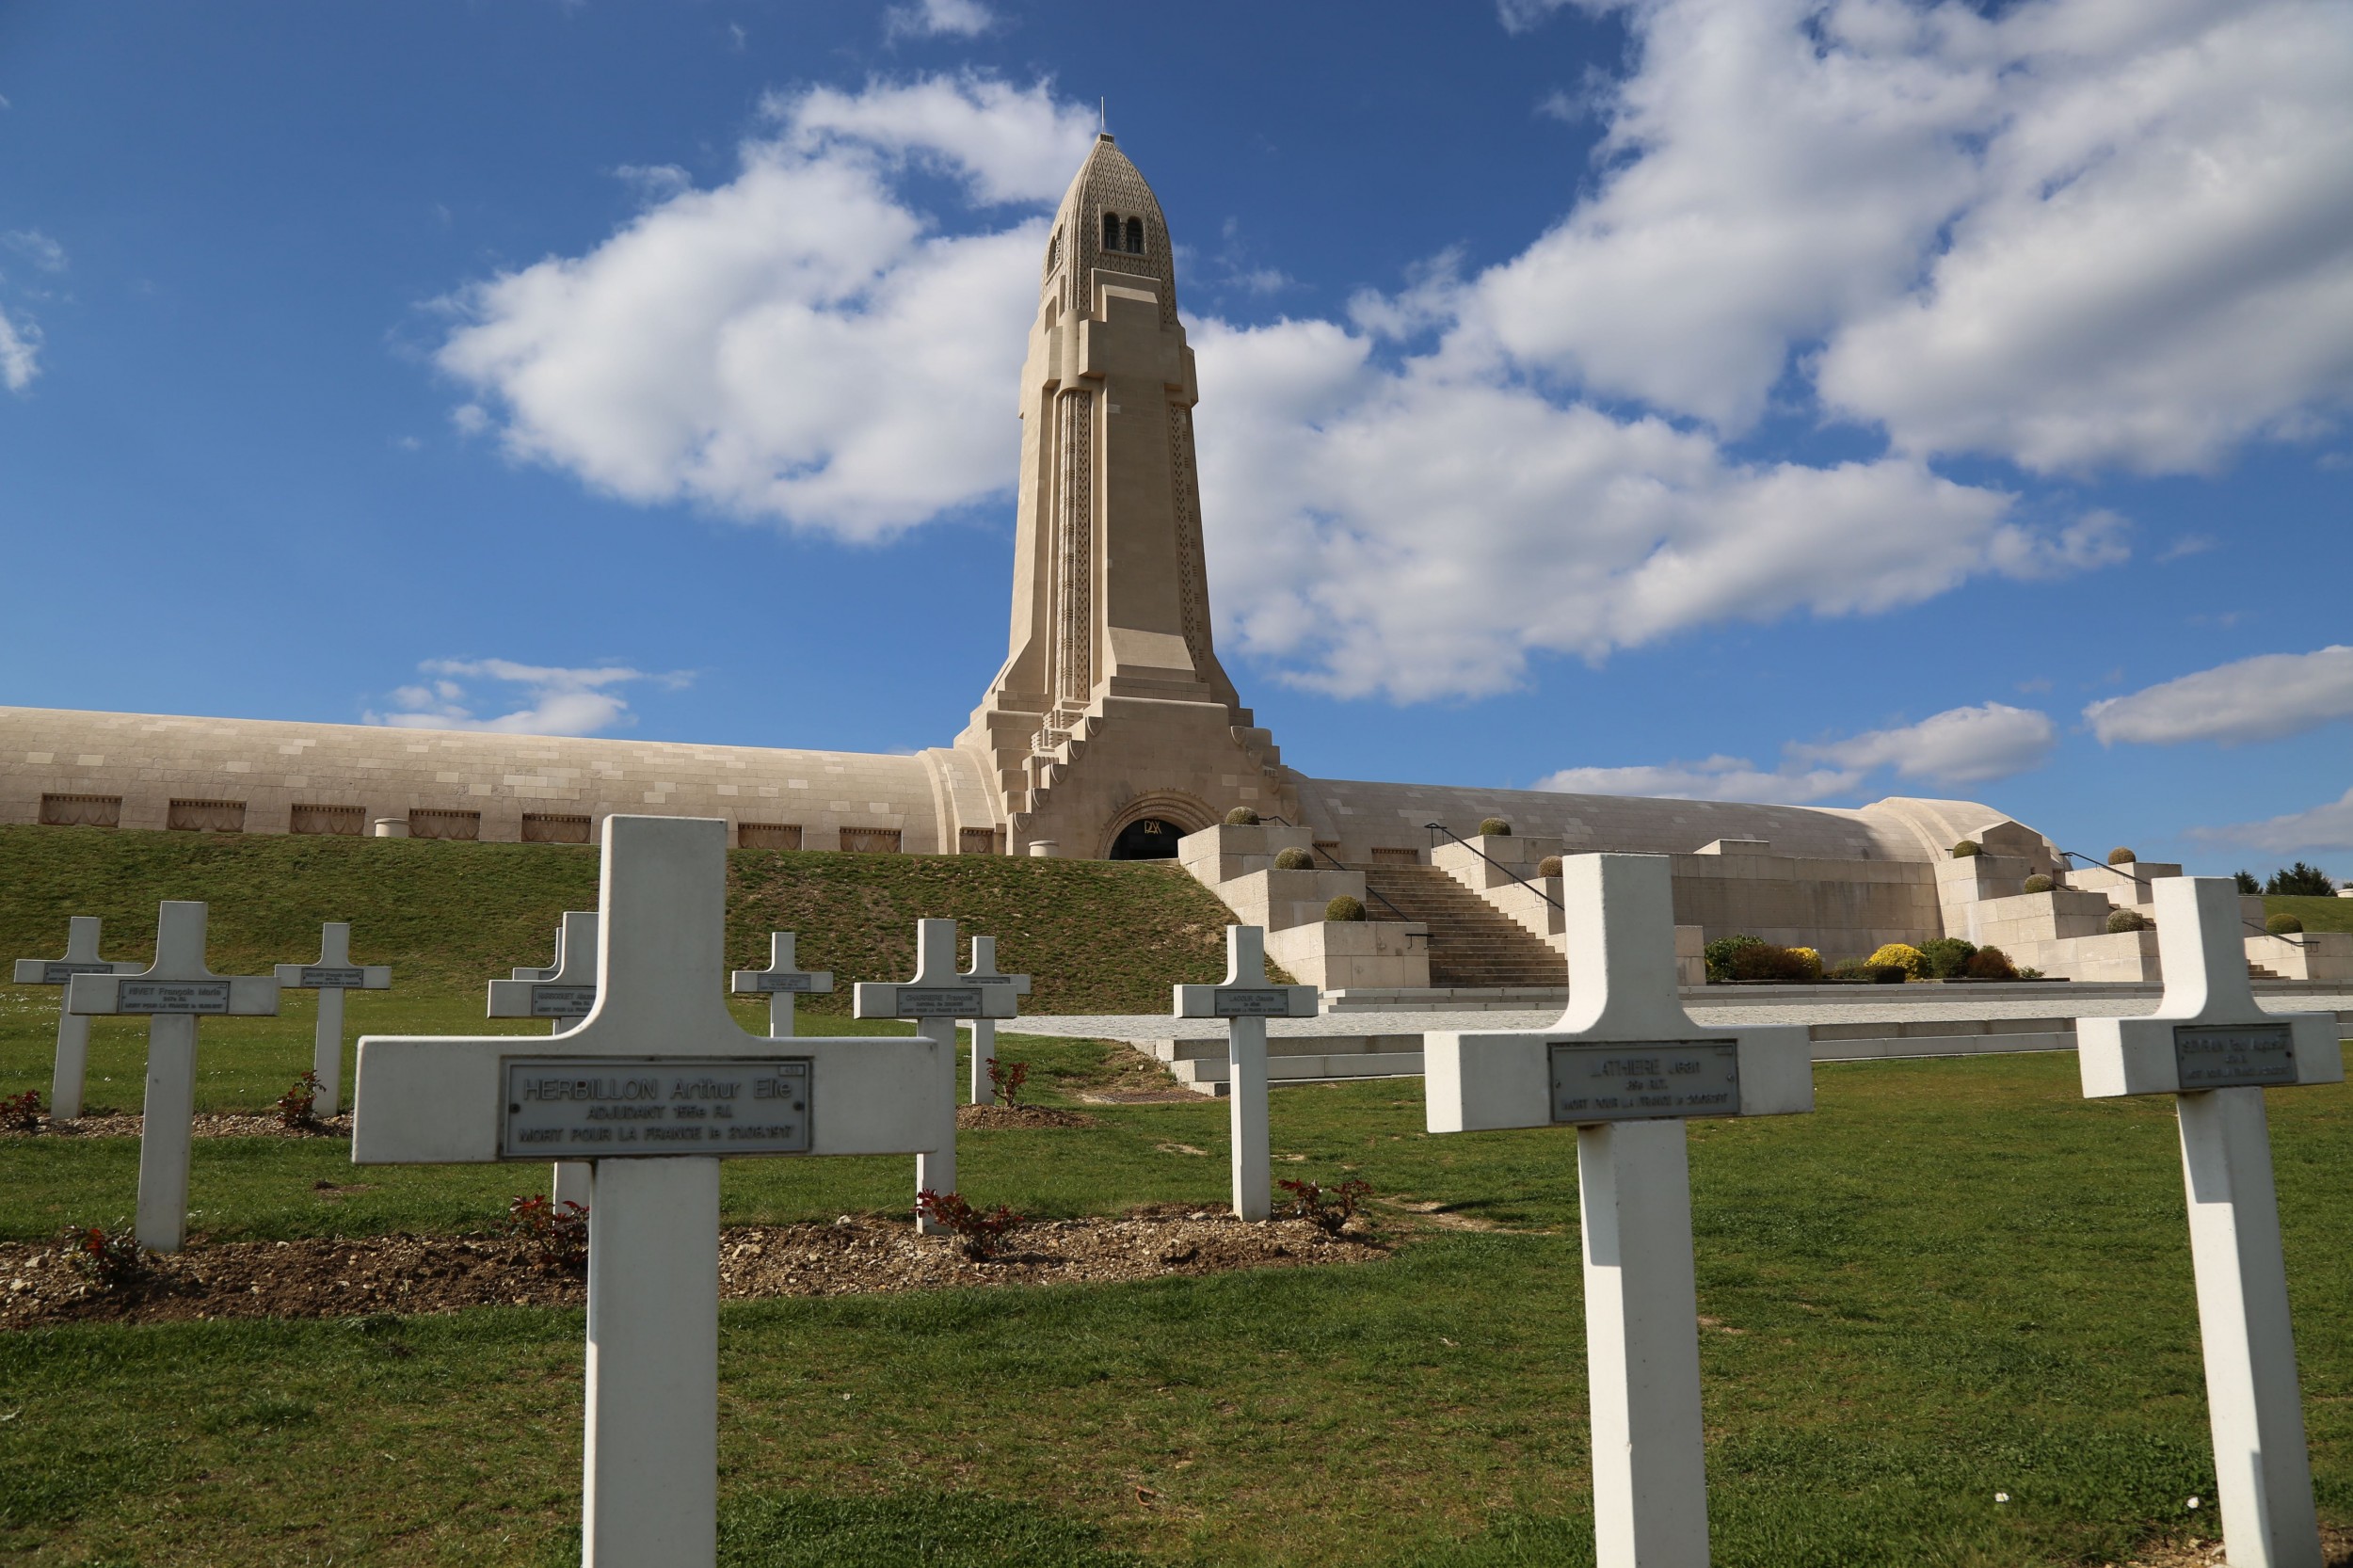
{"points": [[72, 1070], [1626, 1065], [660, 1082], [330, 977], [983, 972], [936, 999], [172, 992], [564, 992], [780, 982], [2211, 1048], [1245, 1001]]}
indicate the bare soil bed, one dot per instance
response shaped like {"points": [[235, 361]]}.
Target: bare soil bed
{"points": [[206, 1124], [991, 1116], [2336, 1548], [318, 1278]]}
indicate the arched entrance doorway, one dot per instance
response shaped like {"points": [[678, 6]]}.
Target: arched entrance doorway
{"points": [[1148, 839]]}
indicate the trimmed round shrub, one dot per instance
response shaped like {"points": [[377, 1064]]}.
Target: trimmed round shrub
{"points": [[1900, 955], [1494, 827], [1548, 866], [2283, 925], [2129, 919], [2038, 883], [1967, 848], [1947, 957], [2120, 856], [1718, 955], [1294, 860], [1344, 908], [1991, 964], [1242, 816]]}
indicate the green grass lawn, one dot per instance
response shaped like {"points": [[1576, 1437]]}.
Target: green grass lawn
{"points": [[1956, 1278], [2319, 914]]}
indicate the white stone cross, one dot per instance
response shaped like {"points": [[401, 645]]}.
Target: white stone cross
{"points": [[983, 972], [935, 999], [330, 977], [657, 1085], [2215, 1050], [1245, 1001], [780, 981], [563, 992], [66, 1077], [1626, 1067], [172, 992]]}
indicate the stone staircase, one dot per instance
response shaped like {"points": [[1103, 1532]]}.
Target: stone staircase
{"points": [[1471, 943]]}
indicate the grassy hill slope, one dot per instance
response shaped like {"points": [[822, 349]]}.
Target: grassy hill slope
{"points": [[2319, 914], [1098, 935]]}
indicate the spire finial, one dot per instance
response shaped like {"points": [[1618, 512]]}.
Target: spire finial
{"points": [[1103, 117]]}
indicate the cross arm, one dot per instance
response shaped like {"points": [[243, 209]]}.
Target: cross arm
{"points": [[58, 971], [762, 982], [959, 998], [335, 977], [438, 1100], [244, 996], [520, 998], [1245, 1002], [1484, 1082], [2147, 1056]]}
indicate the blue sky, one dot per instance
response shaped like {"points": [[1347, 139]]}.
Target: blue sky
{"points": [[1725, 397]]}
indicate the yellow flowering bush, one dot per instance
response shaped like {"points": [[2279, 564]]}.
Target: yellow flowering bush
{"points": [[1813, 959], [1904, 957]]}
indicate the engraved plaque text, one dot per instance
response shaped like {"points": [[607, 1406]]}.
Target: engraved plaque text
{"points": [[1645, 1080], [2234, 1056], [563, 1001], [1274, 1002], [58, 971], [319, 977], [939, 1002], [172, 995], [768, 981], [614, 1107]]}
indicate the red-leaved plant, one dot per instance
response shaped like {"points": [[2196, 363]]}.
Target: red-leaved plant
{"points": [[558, 1233], [295, 1107], [1007, 1077], [21, 1112], [979, 1233], [1329, 1208], [108, 1259]]}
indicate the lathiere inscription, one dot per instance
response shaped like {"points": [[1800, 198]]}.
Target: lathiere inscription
{"points": [[612, 1107], [1646, 1081], [2234, 1056]]}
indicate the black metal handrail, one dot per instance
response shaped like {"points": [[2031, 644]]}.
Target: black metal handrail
{"points": [[1441, 827], [2289, 937], [1315, 848]]}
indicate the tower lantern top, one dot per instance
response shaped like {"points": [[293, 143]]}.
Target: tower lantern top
{"points": [[1110, 219]]}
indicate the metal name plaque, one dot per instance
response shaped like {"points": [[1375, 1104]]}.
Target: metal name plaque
{"points": [[1646, 1081], [172, 995], [770, 981], [614, 1107], [2234, 1056], [563, 1001], [939, 1001], [58, 971], [1272, 1003], [319, 977]]}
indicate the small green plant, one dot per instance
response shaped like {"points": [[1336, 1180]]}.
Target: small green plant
{"points": [[2120, 856], [1344, 908], [297, 1106], [1947, 957], [1242, 816], [980, 1234], [2122, 921], [1967, 849], [1494, 827], [557, 1233], [1294, 859], [2301, 880], [1005, 1079], [1991, 964], [21, 1112], [1329, 1208], [109, 1259], [2036, 884], [2283, 925], [1718, 954]]}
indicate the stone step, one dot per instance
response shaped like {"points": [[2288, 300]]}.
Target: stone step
{"points": [[1471, 943]]}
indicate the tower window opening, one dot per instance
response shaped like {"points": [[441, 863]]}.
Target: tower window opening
{"points": [[1111, 230], [1135, 236]]}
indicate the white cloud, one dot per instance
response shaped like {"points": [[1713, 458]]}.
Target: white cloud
{"points": [[553, 701], [2082, 233], [2323, 827], [798, 344], [931, 18], [2263, 699], [36, 248], [1960, 746], [19, 353], [1520, 16]]}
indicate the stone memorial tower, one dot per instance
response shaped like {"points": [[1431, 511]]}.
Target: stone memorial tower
{"points": [[1112, 729]]}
